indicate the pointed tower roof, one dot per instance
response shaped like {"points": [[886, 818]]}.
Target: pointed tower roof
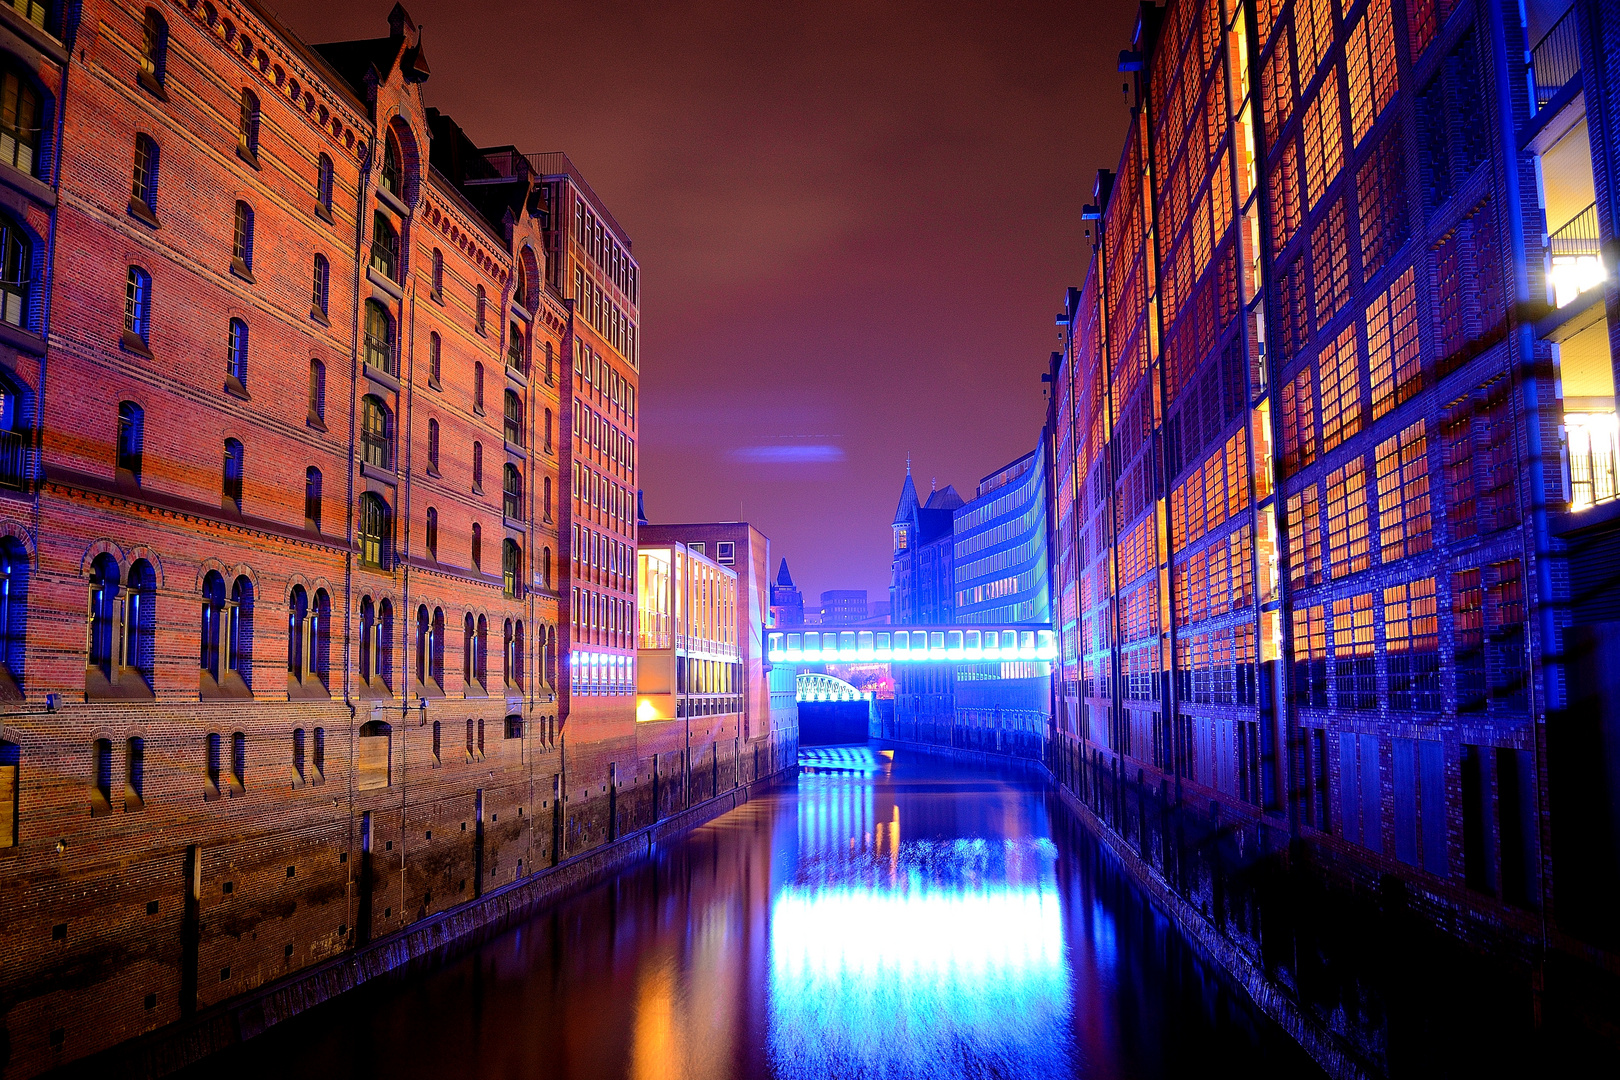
{"points": [[908, 501], [783, 578]]}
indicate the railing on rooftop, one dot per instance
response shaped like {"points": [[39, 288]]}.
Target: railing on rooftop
{"points": [[556, 163], [1556, 59]]}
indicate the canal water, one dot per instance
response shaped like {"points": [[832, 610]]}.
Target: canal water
{"points": [[878, 918]]}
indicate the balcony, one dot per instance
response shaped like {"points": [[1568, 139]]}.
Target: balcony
{"points": [[1592, 442], [16, 471], [1555, 62], [1576, 257]]}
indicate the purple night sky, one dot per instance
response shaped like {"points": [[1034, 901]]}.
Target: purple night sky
{"points": [[855, 223]]}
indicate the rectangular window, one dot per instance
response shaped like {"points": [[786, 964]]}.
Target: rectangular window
{"points": [[1299, 421], [1340, 377], [1330, 263], [1393, 356], [1324, 139], [1498, 504], [1370, 64], [1348, 541], [1305, 538], [1355, 683], [1468, 639], [1381, 188], [1412, 646], [1287, 211], [1310, 657], [1403, 494], [1457, 443], [1504, 635], [1277, 86]]}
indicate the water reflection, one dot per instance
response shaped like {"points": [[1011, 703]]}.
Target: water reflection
{"points": [[885, 919]]}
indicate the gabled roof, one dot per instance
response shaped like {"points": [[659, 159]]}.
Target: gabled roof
{"points": [[908, 502], [945, 498]]}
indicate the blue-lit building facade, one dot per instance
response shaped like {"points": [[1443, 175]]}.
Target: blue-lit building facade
{"points": [[1001, 575], [921, 592]]}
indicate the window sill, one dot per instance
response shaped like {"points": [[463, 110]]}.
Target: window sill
{"points": [[437, 296], [240, 269], [311, 689], [23, 339], [317, 315], [478, 489], [372, 472], [234, 387], [249, 156], [393, 202], [435, 384], [514, 450], [380, 377], [478, 410], [516, 376], [232, 688], [27, 183], [141, 212], [433, 471], [323, 212], [149, 83], [315, 422], [385, 283], [134, 343], [429, 689]]}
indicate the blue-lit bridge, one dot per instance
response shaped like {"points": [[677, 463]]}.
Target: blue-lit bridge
{"points": [[914, 644]]}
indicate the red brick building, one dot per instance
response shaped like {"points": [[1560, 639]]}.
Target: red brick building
{"points": [[318, 459]]}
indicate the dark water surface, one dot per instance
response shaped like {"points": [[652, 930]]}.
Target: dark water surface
{"points": [[894, 920]]}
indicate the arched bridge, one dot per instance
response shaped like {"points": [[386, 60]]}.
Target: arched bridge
{"points": [[914, 644], [814, 686]]}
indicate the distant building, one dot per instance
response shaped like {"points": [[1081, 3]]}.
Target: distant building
{"points": [[921, 592], [843, 607], [787, 602]]}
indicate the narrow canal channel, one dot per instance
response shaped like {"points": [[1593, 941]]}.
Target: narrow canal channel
{"points": [[887, 919]]}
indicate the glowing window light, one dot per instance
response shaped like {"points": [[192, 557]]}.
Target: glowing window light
{"points": [[1574, 274], [1592, 441]]}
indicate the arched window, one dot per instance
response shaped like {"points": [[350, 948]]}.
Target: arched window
{"points": [[131, 434], [376, 440], [104, 610], [384, 247], [247, 128], [469, 650], [237, 643], [236, 356], [438, 274], [137, 308], [481, 653], [435, 357], [317, 395], [323, 186], [545, 567], [482, 304], [297, 636], [321, 289], [16, 261], [511, 491], [320, 637], [478, 468], [514, 417], [477, 546], [375, 541], [14, 572], [368, 629], [213, 610], [433, 447], [478, 388], [238, 763], [393, 167], [551, 656], [545, 505], [514, 348], [312, 499], [154, 52], [511, 567], [234, 468], [437, 745], [517, 656], [508, 667], [551, 374], [374, 756], [424, 641], [140, 625], [134, 774], [436, 653], [100, 777], [20, 113], [379, 337], [548, 431], [298, 748], [144, 179], [385, 644], [432, 533], [242, 240]]}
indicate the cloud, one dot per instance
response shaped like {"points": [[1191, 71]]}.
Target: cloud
{"points": [[788, 455]]}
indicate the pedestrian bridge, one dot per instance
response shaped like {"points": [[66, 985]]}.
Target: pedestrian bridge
{"points": [[814, 686], [913, 644]]}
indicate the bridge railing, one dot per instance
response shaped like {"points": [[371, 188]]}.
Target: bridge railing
{"points": [[929, 645]]}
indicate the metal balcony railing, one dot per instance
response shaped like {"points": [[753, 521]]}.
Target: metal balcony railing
{"points": [[15, 461], [380, 353], [1556, 59], [1576, 256], [1592, 446]]}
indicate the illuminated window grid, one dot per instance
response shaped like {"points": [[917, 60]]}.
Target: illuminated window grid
{"points": [[1348, 540], [1340, 376], [1277, 86], [1354, 677], [1468, 638], [1287, 210], [1295, 314], [1310, 656], [1299, 421], [1457, 444], [1324, 140], [1313, 34], [1330, 262], [1404, 520], [1381, 187], [1369, 54], [1393, 357], [1412, 646], [1423, 20], [1305, 538]]}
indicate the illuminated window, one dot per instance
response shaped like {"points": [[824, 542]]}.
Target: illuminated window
{"points": [[1330, 262], [1313, 33], [1381, 188], [1340, 378], [1393, 356], [1324, 140], [1423, 20], [1295, 315], [1412, 646], [1403, 494], [20, 113], [1370, 64], [1310, 657], [247, 128], [1354, 678], [1286, 206], [1305, 538], [1348, 541], [1468, 638]]}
